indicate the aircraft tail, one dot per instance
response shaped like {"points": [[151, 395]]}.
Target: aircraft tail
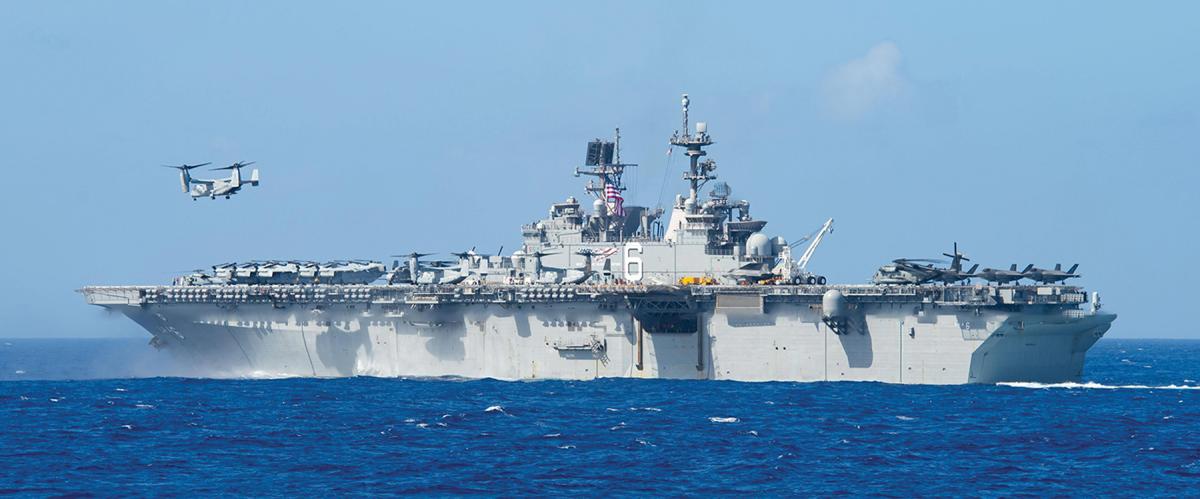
{"points": [[1013, 268], [1027, 268], [1072, 269], [957, 259], [973, 269], [254, 176], [1058, 266]]}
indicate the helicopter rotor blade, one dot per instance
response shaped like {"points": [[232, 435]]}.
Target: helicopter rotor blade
{"points": [[922, 260], [413, 255]]}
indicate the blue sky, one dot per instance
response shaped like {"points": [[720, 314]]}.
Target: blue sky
{"points": [[1028, 132]]}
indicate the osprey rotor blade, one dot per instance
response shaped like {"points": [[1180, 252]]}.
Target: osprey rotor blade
{"points": [[186, 166]]}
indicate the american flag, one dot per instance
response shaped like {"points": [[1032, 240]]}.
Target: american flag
{"points": [[605, 253], [615, 201]]}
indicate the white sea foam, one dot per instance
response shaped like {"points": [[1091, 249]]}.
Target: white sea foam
{"points": [[495, 408], [568, 446], [552, 435], [647, 409], [18, 371], [905, 418], [143, 406], [1098, 386], [127, 427], [121, 390], [269, 375], [724, 420]]}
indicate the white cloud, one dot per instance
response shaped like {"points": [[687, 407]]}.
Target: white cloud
{"points": [[855, 88]]}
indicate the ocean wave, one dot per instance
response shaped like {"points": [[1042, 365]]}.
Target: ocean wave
{"points": [[333, 432], [1097, 386]]}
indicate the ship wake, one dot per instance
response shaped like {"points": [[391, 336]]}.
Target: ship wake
{"points": [[1098, 386]]}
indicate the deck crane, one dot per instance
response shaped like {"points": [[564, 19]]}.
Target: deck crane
{"points": [[808, 253], [796, 272]]}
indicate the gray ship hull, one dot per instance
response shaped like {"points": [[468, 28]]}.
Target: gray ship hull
{"points": [[902, 339]]}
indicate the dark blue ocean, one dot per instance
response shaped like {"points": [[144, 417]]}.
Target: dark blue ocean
{"points": [[81, 416]]}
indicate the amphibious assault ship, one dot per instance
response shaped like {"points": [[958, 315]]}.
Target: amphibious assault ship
{"points": [[696, 291]]}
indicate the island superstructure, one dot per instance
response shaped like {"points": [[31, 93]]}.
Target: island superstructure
{"points": [[605, 289]]}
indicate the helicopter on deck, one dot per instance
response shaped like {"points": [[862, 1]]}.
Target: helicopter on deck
{"points": [[922, 270]]}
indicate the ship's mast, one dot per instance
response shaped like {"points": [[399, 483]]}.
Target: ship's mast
{"points": [[604, 163], [699, 172], [604, 160]]}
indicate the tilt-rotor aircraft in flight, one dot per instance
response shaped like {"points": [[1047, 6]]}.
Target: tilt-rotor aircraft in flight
{"points": [[199, 188]]}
